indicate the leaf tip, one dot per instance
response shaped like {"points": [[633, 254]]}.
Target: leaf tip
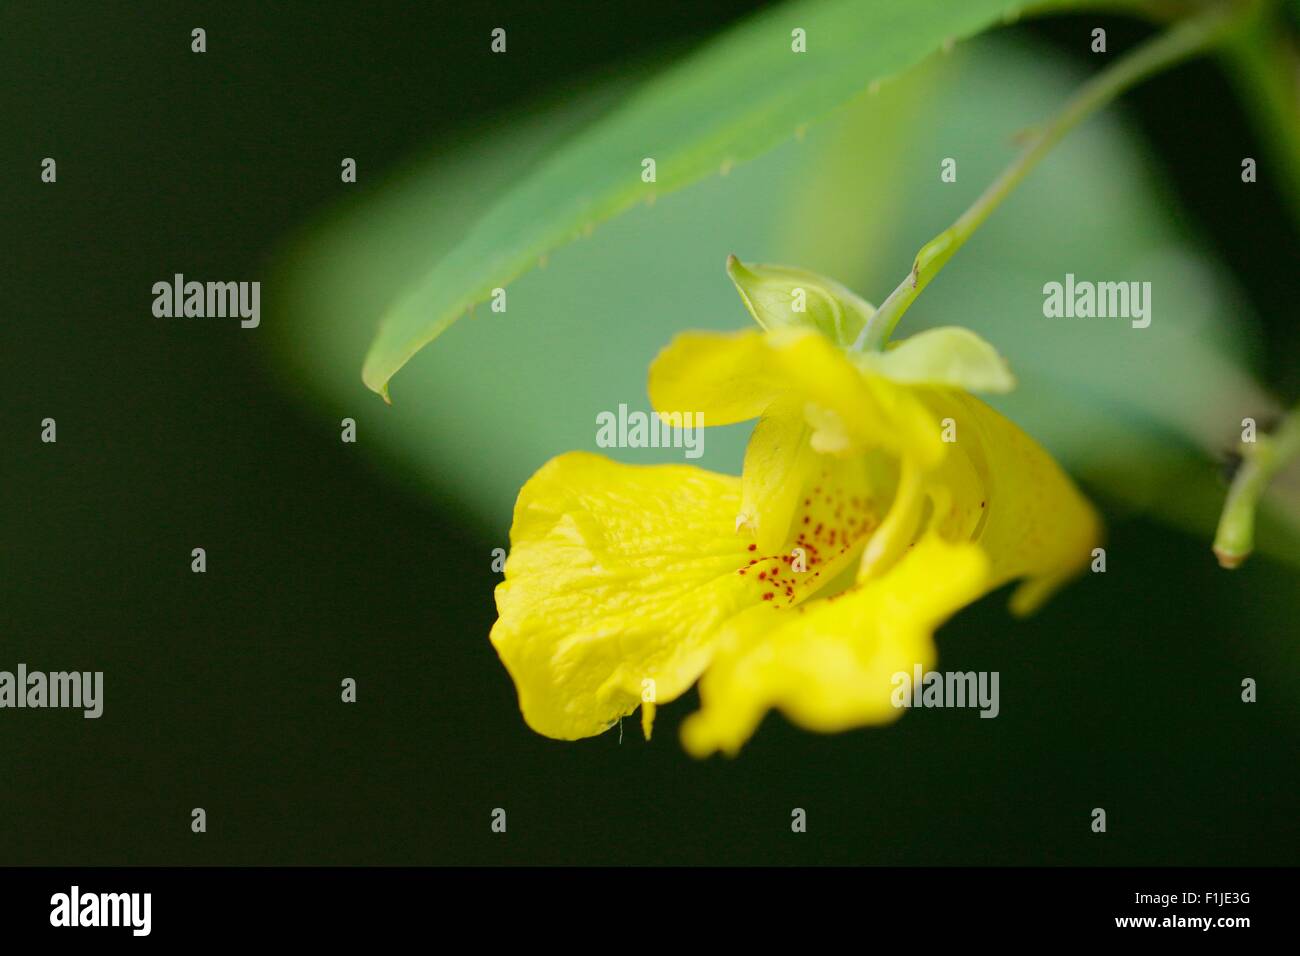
{"points": [[736, 269], [374, 379]]}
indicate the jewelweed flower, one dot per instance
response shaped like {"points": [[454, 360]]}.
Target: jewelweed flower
{"points": [[877, 498]]}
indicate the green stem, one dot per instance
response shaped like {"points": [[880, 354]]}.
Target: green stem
{"points": [[1261, 460], [1186, 38]]}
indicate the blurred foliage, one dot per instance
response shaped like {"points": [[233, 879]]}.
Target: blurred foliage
{"points": [[1139, 414]]}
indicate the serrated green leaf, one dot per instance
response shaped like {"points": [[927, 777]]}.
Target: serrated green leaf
{"points": [[735, 99]]}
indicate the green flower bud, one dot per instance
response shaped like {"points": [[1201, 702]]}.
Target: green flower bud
{"points": [[779, 296]]}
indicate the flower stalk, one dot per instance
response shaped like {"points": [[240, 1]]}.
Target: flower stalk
{"points": [[1181, 41], [1261, 460]]}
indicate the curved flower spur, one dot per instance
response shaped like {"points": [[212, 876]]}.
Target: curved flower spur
{"points": [[878, 497]]}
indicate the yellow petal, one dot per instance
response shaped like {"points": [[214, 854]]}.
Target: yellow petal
{"points": [[618, 575], [737, 376], [901, 525], [1001, 487], [721, 375], [779, 463], [811, 513], [829, 665]]}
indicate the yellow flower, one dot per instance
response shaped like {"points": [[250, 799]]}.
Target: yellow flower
{"points": [[877, 499]]}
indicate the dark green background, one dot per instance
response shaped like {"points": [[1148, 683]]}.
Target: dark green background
{"points": [[222, 690]]}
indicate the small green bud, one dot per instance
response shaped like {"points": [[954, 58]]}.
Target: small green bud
{"points": [[780, 296]]}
